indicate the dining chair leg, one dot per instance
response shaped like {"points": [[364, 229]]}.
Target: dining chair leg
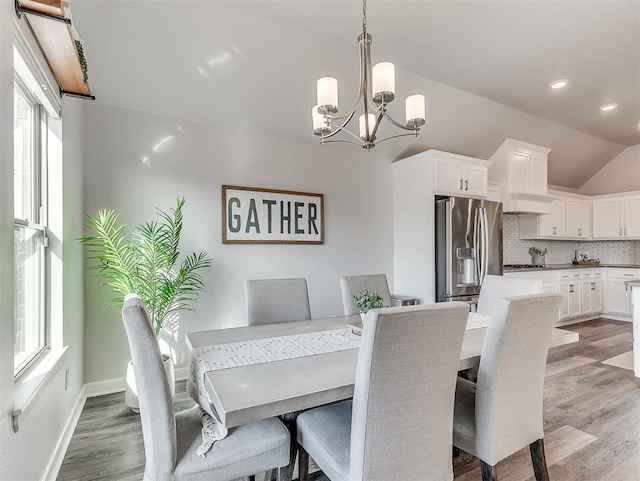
{"points": [[456, 451], [303, 465], [538, 460], [489, 473]]}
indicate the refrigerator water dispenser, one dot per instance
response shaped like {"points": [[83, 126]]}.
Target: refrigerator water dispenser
{"points": [[467, 272]]}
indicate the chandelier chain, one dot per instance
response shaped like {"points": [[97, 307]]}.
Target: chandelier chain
{"points": [[364, 16]]}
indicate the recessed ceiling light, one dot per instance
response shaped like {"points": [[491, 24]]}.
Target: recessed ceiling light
{"points": [[558, 84], [607, 107]]}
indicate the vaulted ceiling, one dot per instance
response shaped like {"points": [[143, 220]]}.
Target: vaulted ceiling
{"points": [[484, 67]]}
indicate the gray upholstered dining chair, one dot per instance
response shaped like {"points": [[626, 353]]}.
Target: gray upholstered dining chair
{"points": [[171, 440], [349, 285], [277, 300], [398, 425], [502, 412], [495, 288]]}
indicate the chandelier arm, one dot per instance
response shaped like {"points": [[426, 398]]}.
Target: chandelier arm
{"points": [[342, 127], [361, 92], [340, 141], [399, 135], [365, 68], [398, 124], [376, 125]]}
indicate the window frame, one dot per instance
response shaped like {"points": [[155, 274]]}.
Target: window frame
{"points": [[39, 216]]}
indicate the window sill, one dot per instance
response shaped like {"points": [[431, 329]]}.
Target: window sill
{"points": [[34, 381]]}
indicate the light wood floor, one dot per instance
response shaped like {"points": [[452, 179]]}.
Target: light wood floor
{"points": [[592, 421]]}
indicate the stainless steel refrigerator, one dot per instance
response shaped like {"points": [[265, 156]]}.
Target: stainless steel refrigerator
{"points": [[468, 246]]}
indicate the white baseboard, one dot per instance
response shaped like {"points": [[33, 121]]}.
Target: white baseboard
{"points": [[603, 315], [616, 317], [55, 462], [110, 386]]}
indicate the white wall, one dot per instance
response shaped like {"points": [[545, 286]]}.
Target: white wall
{"points": [[30, 454], [136, 162], [621, 174], [6, 235]]}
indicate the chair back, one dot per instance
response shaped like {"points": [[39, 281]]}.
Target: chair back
{"points": [[352, 284], [509, 389], [277, 300], [154, 396], [495, 288], [403, 400]]}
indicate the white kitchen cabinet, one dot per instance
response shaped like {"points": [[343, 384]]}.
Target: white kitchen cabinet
{"points": [[554, 224], [581, 290], [493, 191], [528, 173], [460, 176], [616, 217], [565, 309], [522, 169], [570, 218], [589, 283], [578, 215], [632, 216], [591, 294], [618, 296]]}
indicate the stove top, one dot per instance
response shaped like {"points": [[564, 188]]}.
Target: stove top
{"points": [[523, 266]]}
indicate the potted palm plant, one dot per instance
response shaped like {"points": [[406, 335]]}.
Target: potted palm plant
{"points": [[146, 265]]}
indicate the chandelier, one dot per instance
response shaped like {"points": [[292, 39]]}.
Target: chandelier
{"points": [[376, 91]]}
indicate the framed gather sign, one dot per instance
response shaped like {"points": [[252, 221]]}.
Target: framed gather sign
{"points": [[252, 215]]}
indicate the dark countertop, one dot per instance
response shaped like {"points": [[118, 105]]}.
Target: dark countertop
{"points": [[555, 267]]}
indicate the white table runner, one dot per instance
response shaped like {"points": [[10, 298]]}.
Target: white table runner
{"points": [[477, 321]]}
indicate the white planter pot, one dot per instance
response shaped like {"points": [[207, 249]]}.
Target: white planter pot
{"points": [[131, 392]]}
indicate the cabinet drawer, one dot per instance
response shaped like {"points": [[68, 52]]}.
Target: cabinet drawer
{"points": [[619, 273]]}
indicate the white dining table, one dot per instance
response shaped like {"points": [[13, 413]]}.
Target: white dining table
{"points": [[248, 393]]}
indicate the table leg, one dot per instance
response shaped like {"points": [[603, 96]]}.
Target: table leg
{"points": [[289, 420]]}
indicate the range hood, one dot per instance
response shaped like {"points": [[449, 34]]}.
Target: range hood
{"points": [[524, 203], [521, 170]]}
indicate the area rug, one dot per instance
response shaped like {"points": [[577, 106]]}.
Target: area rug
{"points": [[625, 361]]}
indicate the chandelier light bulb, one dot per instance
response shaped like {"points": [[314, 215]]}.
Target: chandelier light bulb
{"points": [[363, 127], [415, 110], [327, 93], [320, 126], [383, 82]]}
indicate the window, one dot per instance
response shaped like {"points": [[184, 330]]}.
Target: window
{"points": [[29, 182]]}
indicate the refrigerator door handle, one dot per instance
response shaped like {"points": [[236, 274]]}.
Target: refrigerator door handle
{"points": [[482, 250], [477, 244]]}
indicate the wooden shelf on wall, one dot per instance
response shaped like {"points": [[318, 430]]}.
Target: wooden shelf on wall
{"points": [[51, 25]]}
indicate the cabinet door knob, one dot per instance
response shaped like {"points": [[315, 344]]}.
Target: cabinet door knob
{"points": [[593, 286], [579, 232], [461, 189], [466, 186], [554, 230], [620, 230], [570, 288]]}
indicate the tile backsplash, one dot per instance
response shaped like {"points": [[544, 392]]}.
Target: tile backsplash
{"points": [[516, 251]]}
